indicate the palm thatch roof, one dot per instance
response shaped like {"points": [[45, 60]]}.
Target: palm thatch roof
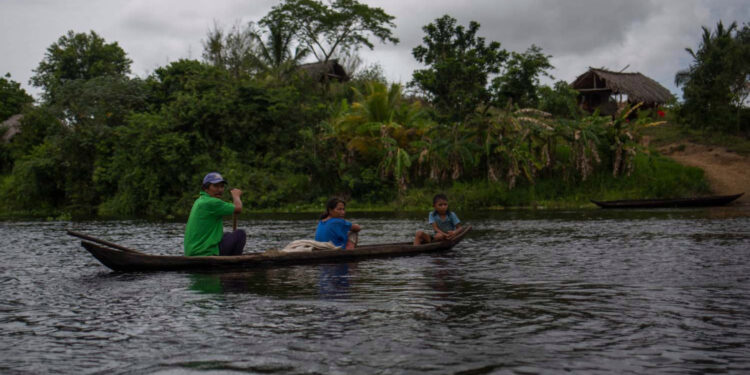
{"points": [[325, 71], [636, 86], [11, 127]]}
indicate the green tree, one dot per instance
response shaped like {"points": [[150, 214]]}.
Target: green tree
{"points": [[449, 151], [99, 101], [12, 97], [277, 50], [37, 124], [460, 64], [78, 56], [518, 143], [715, 86], [520, 80], [151, 168], [560, 100], [378, 131], [333, 28], [232, 50]]}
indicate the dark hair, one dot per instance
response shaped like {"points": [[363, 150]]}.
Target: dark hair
{"points": [[332, 203], [438, 197], [208, 184]]}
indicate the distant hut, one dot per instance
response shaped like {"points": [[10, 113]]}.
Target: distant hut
{"points": [[597, 87], [10, 127], [326, 71]]}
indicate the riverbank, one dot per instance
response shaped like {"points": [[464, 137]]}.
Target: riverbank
{"points": [[727, 172], [724, 159], [654, 176]]}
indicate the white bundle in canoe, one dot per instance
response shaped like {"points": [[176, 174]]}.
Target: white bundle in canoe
{"points": [[308, 245]]}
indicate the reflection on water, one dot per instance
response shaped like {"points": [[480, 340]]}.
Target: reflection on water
{"points": [[334, 280], [211, 283], [595, 291]]}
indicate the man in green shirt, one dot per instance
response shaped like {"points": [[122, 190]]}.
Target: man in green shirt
{"points": [[204, 232]]}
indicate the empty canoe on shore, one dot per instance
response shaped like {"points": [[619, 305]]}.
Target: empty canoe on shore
{"points": [[718, 200], [120, 258]]}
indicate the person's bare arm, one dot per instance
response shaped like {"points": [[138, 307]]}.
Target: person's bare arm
{"points": [[355, 228], [437, 229], [236, 200]]}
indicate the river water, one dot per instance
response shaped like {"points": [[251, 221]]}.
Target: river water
{"points": [[585, 292]]}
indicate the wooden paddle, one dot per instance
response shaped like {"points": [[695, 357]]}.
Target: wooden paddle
{"points": [[234, 222]]}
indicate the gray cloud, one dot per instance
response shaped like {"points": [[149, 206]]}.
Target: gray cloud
{"points": [[648, 35], [574, 26]]}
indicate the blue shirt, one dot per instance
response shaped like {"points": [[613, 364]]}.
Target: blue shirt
{"points": [[447, 225], [335, 230]]}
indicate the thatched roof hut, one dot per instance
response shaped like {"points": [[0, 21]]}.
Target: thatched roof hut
{"points": [[596, 87], [11, 127], [325, 71]]}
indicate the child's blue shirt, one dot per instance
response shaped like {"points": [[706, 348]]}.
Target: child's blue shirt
{"points": [[335, 230], [447, 225]]}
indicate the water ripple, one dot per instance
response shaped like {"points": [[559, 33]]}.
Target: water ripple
{"points": [[587, 292]]}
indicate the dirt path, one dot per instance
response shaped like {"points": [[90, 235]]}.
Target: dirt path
{"points": [[727, 172]]}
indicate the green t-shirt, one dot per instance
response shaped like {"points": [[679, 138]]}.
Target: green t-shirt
{"points": [[204, 228]]}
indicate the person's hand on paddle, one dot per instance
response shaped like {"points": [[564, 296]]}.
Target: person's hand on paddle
{"points": [[236, 199]]}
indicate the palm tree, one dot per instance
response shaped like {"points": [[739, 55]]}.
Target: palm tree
{"points": [[380, 128], [274, 52], [715, 84]]}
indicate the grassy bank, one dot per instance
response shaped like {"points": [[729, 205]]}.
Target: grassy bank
{"points": [[670, 133], [654, 177]]}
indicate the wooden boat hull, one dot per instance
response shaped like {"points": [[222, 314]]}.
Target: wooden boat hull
{"points": [[662, 203], [134, 261]]}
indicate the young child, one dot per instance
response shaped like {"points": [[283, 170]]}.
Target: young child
{"points": [[332, 226], [443, 221]]}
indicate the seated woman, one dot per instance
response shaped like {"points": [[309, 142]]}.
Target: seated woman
{"points": [[332, 226]]}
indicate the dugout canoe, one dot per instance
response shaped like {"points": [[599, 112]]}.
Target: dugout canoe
{"points": [[718, 200], [123, 259]]}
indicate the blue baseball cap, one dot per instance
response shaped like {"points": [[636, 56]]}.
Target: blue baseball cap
{"points": [[213, 178]]}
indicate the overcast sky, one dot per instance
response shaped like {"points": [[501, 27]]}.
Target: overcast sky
{"points": [[648, 36]]}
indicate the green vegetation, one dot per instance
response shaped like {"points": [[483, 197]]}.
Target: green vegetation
{"points": [[12, 98], [672, 133], [459, 67], [717, 84], [103, 143]]}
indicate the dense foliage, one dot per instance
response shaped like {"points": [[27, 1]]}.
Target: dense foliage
{"points": [[520, 81], [12, 98], [336, 28], [108, 144], [78, 57], [460, 64], [716, 86]]}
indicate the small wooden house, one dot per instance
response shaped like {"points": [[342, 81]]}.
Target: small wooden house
{"points": [[326, 71], [599, 88]]}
